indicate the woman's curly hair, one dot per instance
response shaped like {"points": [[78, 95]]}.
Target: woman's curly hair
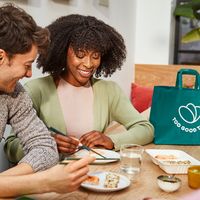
{"points": [[82, 32]]}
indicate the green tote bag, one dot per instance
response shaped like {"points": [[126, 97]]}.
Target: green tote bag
{"points": [[175, 112]]}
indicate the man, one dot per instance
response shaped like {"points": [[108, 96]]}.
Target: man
{"points": [[20, 41]]}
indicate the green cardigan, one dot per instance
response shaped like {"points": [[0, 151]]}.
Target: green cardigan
{"points": [[110, 104]]}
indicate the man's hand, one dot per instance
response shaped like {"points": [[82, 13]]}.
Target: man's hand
{"points": [[67, 178]]}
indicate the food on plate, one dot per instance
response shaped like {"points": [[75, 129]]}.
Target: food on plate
{"points": [[165, 157], [93, 180], [178, 162], [111, 180]]}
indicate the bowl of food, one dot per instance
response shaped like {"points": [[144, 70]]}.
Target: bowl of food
{"points": [[168, 183]]}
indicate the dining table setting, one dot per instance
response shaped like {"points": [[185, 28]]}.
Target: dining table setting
{"points": [[159, 172]]}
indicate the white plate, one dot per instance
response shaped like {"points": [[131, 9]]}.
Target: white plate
{"points": [[178, 156], [124, 182], [107, 153]]}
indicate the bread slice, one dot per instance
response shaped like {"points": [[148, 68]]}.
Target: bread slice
{"points": [[111, 180]]}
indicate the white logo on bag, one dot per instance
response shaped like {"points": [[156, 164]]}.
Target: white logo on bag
{"points": [[189, 113]]}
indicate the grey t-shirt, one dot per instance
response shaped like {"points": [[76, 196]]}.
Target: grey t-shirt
{"points": [[39, 147]]}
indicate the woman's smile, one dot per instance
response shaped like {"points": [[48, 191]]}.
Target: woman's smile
{"points": [[85, 73]]}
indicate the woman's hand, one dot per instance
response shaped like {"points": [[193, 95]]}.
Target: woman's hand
{"points": [[66, 144], [96, 138]]}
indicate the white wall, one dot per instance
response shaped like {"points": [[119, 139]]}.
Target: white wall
{"points": [[153, 22]]}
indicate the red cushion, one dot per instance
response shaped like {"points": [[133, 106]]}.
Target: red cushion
{"points": [[141, 97]]}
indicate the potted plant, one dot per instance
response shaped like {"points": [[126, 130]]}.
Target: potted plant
{"points": [[191, 10]]}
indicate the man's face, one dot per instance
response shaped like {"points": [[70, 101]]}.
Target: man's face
{"points": [[16, 68]]}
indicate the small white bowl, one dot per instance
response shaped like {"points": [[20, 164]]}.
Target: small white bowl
{"points": [[168, 183]]}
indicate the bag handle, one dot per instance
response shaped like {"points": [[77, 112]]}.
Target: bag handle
{"points": [[179, 82]]}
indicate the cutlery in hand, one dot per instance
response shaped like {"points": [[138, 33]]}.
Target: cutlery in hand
{"points": [[81, 145]]}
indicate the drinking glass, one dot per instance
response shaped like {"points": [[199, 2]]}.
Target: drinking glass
{"points": [[131, 159]]}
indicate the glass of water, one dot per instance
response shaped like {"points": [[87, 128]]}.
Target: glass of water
{"points": [[131, 159]]}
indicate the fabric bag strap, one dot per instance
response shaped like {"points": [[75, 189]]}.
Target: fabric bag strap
{"points": [[179, 81]]}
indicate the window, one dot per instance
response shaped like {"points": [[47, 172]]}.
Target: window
{"points": [[189, 53]]}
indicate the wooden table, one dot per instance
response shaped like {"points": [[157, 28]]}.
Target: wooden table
{"points": [[145, 186]]}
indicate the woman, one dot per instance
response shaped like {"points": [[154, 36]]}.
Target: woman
{"points": [[72, 100]]}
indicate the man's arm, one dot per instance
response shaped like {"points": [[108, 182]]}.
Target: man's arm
{"points": [[20, 169], [39, 147], [60, 178]]}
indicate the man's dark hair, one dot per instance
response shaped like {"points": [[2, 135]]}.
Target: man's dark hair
{"points": [[83, 32], [18, 31]]}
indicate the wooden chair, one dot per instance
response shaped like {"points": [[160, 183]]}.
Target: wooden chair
{"points": [[149, 75]]}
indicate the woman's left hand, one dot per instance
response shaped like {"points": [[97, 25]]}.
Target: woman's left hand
{"points": [[96, 138]]}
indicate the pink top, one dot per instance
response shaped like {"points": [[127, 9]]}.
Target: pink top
{"points": [[77, 107]]}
